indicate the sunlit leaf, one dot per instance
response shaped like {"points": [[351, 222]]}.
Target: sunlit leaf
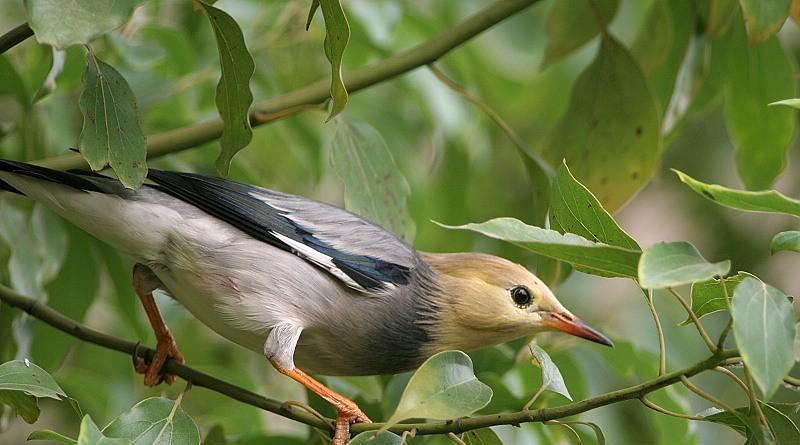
{"points": [[374, 186], [654, 39], [610, 134], [673, 264], [233, 90], [572, 24], [708, 296], [337, 34], [793, 103], [596, 258], [155, 421], [691, 78], [483, 436], [761, 74], [764, 18], [763, 324], [720, 16], [789, 240], [444, 387], [21, 383], [52, 436], [551, 376], [111, 133], [91, 435], [375, 438], [768, 201], [574, 209], [66, 22]]}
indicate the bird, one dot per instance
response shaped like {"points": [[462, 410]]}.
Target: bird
{"points": [[314, 288]]}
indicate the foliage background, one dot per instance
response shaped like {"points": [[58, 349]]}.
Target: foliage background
{"points": [[460, 168]]}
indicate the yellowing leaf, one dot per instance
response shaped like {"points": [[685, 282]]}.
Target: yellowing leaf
{"points": [[763, 18]]}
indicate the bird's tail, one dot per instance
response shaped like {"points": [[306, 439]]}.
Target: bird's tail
{"points": [[76, 179]]}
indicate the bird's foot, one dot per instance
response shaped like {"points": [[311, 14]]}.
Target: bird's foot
{"points": [[153, 372], [347, 413]]}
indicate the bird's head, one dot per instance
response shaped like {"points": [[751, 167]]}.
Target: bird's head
{"points": [[488, 300]]}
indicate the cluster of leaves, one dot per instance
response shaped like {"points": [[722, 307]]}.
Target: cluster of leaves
{"points": [[609, 109]]}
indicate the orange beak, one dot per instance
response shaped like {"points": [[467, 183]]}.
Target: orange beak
{"points": [[575, 326]]}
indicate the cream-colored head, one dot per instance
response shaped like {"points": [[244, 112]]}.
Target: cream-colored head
{"points": [[489, 300]]}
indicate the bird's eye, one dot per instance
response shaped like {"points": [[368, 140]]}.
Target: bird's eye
{"points": [[522, 296]]}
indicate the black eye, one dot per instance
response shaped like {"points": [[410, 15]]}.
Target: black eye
{"points": [[522, 296]]}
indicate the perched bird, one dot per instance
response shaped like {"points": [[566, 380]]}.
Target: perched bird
{"points": [[311, 286]]}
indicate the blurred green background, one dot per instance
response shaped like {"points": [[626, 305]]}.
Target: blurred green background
{"points": [[460, 167]]}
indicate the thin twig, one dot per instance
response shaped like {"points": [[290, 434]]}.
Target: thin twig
{"points": [[733, 377], [662, 348], [533, 399], [14, 37], [707, 396], [263, 118], [700, 329], [751, 393], [565, 425], [455, 439], [725, 331], [663, 410], [425, 53]]}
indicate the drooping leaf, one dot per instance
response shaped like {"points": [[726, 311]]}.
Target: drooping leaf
{"points": [[708, 296], [768, 201], [52, 436], [551, 376], [764, 18], [574, 209], [66, 22], [21, 383], [91, 435], [610, 134], [215, 436], [444, 387], [154, 421], [375, 438], [374, 186], [763, 324], [789, 240], [654, 39], [233, 90], [596, 258], [783, 419], [673, 264], [720, 16], [337, 34], [483, 436], [572, 24], [49, 84], [792, 103], [691, 78], [759, 75], [111, 133]]}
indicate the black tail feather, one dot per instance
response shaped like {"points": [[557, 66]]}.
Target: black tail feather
{"points": [[66, 178]]}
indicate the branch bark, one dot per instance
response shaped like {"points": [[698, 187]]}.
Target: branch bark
{"points": [[425, 53], [198, 378], [14, 37]]}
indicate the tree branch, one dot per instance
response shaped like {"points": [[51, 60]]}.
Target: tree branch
{"points": [[288, 410], [425, 53], [14, 37]]}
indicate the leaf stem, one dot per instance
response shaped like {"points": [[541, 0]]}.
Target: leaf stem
{"points": [[663, 410], [533, 399], [565, 425], [455, 439], [14, 37], [727, 329], [662, 349], [601, 21], [700, 329], [708, 396], [751, 393]]}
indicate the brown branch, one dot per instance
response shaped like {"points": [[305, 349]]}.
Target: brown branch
{"points": [[14, 37], [299, 413], [425, 53]]}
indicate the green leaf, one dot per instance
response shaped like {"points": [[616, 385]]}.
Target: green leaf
{"points": [[233, 90], [111, 133], [52, 436], [66, 22], [215, 436], [783, 419], [654, 38], [375, 438], [91, 435], [444, 387], [21, 383], [692, 76], [483, 436], [574, 209], [8, 344], [764, 18], [708, 296], [720, 16], [374, 186], [759, 75], [610, 134], [551, 376], [155, 421], [595, 258], [792, 103], [337, 34], [763, 324], [571, 25], [673, 264], [768, 201], [789, 240]]}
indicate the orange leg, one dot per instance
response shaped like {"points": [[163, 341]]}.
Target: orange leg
{"points": [[144, 283], [347, 410]]}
